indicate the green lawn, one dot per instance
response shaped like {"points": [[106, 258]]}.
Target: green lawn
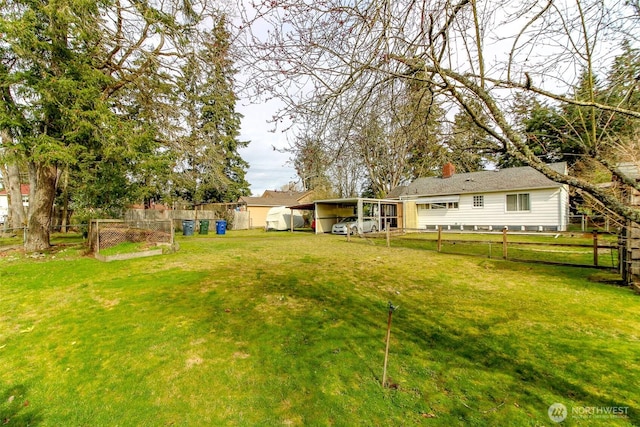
{"points": [[255, 328]]}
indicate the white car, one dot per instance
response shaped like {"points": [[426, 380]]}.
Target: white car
{"points": [[350, 225]]}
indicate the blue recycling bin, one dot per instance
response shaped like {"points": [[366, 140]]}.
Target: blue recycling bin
{"points": [[188, 225], [221, 226]]}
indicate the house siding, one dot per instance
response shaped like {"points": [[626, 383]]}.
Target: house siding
{"points": [[548, 209], [4, 206]]}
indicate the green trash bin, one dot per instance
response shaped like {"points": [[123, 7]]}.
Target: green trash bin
{"points": [[204, 226], [187, 227]]}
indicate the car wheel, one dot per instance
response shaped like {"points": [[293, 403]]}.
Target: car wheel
{"points": [[354, 230], [374, 228]]}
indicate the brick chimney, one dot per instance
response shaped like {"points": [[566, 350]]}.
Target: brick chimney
{"points": [[448, 170]]}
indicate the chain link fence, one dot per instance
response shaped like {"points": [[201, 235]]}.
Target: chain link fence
{"points": [[107, 233]]}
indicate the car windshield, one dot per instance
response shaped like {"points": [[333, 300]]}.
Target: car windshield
{"points": [[349, 219]]}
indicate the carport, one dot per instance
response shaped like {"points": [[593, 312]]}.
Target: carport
{"points": [[388, 213], [304, 207]]}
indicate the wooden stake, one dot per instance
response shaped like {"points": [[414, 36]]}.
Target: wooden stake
{"points": [[386, 351], [439, 238]]}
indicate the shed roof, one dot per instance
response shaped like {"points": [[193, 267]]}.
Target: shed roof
{"points": [[509, 179]]}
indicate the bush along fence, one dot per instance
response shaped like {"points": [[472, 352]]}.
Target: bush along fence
{"points": [[589, 249]]}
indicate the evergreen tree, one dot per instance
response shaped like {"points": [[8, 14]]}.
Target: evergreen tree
{"points": [[209, 167], [91, 88], [53, 102], [623, 89], [545, 132]]}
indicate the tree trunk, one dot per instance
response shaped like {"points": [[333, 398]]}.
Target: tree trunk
{"points": [[16, 208], [65, 200], [41, 207]]}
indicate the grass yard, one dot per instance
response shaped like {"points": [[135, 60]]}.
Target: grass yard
{"points": [[125, 248], [255, 328]]}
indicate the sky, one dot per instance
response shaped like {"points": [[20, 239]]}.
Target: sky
{"points": [[269, 169]]}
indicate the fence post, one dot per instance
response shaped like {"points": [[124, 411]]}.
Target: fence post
{"points": [[388, 229], [622, 253], [439, 238], [97, 236], [504, 243], [595, 247]]}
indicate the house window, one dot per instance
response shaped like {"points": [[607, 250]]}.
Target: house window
{"points": [[478, 201], [440, 205], [518, 202]]}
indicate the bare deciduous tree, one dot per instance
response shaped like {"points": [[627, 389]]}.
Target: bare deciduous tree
{"points": [[328, 57]]}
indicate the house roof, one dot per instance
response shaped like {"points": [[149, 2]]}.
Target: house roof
{"points": [[24, 190], [396, 192], [276, 198], [264, 201], [509, 179]]}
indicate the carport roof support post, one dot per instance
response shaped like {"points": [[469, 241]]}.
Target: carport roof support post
{"points": [[360, 220]]}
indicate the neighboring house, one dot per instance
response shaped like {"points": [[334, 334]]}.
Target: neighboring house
{"points": [[519, 198], [258, 207], [4, 200]]}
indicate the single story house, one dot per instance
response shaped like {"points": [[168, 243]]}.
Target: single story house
{"points": [[4, 201], [519, 198], [258, 207]]}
